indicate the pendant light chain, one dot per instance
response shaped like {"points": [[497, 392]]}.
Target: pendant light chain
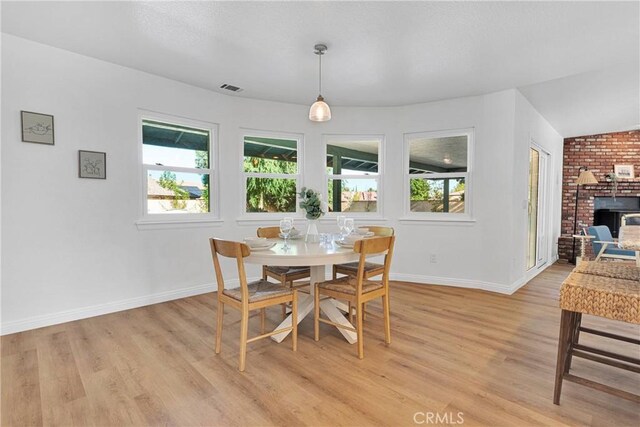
{"points": [[320, 74]]}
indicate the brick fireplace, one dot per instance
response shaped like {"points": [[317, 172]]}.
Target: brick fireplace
{"points": [[599, 153]]}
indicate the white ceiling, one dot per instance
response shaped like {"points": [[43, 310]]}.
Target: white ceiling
{"points": [[380, 53]]}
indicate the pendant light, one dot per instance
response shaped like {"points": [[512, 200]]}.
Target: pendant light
{"points": [[320, 111]]}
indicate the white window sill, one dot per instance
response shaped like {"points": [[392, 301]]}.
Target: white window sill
{"points": [[334, 216], [275, 219], [168, 224], [462, 219], [266, 219]]}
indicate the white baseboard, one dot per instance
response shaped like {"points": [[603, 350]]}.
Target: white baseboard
{"points": [[448, 281], [115, 306], [471, 284], [106, 308]]}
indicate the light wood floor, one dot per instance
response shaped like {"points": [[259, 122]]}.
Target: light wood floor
{"points": [[491, 357]]}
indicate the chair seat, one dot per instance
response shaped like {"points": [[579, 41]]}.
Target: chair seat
{"points": [[353, 266], [612, 250], [347, 285], [259, 290], [275, 269]]}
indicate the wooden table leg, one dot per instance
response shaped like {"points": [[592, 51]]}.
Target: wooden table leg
{"points": [[305, 306]]}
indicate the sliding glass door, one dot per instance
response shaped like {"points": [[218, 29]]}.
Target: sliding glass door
{"points": [[537, 253]]}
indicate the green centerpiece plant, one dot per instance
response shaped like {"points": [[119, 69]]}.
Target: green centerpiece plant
{"points": [[312, 203]]}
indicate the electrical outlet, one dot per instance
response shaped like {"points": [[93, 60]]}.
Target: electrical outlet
{"points": [[433, 258]]}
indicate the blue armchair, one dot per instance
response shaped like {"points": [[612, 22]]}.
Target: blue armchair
{"points": [[605, 247]]}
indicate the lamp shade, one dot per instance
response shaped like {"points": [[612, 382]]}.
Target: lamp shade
{"points": [[586, 177], [319, 111]]}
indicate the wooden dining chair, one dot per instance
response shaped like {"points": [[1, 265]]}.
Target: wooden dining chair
{"points": [[249, 296], [287, 276], [357, 290], [371, 269]]}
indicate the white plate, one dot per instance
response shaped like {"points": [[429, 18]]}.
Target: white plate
{"points": [[344, 244], [263, 248]]}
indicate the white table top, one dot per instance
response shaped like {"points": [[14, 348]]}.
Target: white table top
{"points": [[301, 253]]}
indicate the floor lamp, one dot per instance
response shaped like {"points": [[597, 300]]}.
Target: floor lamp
{"points": [[585, 178]]}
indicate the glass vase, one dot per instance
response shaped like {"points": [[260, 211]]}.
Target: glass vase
{"points": [[312, 231]]}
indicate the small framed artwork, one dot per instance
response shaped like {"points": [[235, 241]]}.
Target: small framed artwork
{"points": [[37, 127], [92, 164], [624, 171]]}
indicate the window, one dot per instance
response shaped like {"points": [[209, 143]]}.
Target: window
{"points": [[437, 173], [271, 172], [353, 173], [177, 167]]}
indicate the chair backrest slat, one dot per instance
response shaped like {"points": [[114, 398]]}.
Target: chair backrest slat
{"points": [[230, 249], [378, 230], [268, 232], [602, 234], [374, 245]]}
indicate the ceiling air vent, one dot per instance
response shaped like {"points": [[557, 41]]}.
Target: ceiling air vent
{"points": [[232, 88]]}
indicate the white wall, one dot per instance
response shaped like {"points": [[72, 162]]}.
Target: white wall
{"points": [[71, 248], [530, 127]]}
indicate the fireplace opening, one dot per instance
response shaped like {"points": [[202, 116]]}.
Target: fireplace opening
{"points": [[609, 211]]}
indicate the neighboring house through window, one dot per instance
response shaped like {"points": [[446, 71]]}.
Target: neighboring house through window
{"points": [[178, 167], [353, 173]]}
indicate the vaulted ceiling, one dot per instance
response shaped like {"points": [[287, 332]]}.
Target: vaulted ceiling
{"points": [[577, 62]]}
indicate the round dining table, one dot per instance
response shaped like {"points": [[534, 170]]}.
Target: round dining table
{"points": [[316, 256]]}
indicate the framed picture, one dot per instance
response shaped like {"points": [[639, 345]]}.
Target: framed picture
{"points": [[624, 171], [37, 127], [92, 164]]}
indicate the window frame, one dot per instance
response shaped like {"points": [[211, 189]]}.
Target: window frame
{"points": [[379, 178], [157, 220], [299, 176], [468, 176]]}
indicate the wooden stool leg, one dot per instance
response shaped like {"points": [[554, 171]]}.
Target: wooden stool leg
{"points": [[563, 346], [262, 318], [576, 319], [219, 325]]}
